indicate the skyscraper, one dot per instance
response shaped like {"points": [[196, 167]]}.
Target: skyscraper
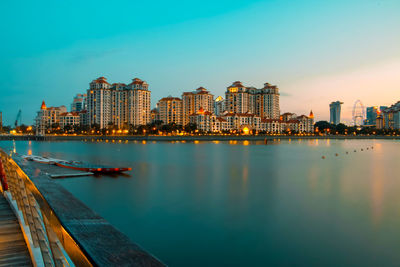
{"points": [[78, 103], [372, 113], [335, 108]]}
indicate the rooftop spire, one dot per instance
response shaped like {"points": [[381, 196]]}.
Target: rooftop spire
{"points": [[43, 105]]}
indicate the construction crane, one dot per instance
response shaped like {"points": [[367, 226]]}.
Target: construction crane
{"points": [[18, 119]]}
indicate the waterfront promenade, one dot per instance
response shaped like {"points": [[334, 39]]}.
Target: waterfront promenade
{"points": [[59, 229], [189, 138]]}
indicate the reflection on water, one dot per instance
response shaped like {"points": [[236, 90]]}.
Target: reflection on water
{"points": [[243, 203]]}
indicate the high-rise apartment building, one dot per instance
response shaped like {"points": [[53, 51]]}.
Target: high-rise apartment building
{"points": [[138, 102], [335, 109], [262, 102], [170, 110], [118, 104], [237, 98], [193, 101]]}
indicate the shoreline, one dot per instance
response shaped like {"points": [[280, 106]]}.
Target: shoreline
{"points": [[188, 137]]}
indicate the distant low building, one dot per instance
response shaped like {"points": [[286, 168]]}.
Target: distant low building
{"points": [[154, 115], [391, 117], [379, 122], [240, 121], [69, 118], [203, 120], [47, 117]]}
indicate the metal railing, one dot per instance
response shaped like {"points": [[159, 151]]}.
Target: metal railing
{"points": [[48, 242]]}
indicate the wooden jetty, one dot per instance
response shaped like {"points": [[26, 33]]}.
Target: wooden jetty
{"points": [[67, 175], [13, 249], [52, 171]]}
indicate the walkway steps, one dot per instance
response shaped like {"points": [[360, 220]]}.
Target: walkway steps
{"points": [[13, 249]]}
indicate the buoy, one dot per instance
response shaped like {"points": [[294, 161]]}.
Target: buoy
{"points": [[323, 157], [347, 152], [367, 148], [336, 154], [372, 147], [362, 149], [355, 150]]}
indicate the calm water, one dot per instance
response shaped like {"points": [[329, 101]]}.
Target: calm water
{"points": [[245, 204]]}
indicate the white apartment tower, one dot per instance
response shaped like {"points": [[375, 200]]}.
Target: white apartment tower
{"points": [[138, 102], [99, 102], [237, 98], [170, 110], [118, 104], [262, 102]]}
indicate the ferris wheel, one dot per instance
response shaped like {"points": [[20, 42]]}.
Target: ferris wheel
{"points": [[358, 113]]}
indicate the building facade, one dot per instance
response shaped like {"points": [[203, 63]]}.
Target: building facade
{"points": [[379, 122], [154, 115], [118, 104], [391, 117], [193, 101], [78, 104], [47, 118], [69, 118], [335, 110], [372, 113], [237, 98], [170, 110], [263, 102], [219, 106]]}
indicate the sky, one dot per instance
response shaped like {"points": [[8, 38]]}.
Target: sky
{"points": [[315, 51]]}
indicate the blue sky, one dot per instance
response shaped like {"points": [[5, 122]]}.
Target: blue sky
{"points": [[315, 51]]}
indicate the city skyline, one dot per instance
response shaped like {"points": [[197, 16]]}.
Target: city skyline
{"points": [[54, 51]]}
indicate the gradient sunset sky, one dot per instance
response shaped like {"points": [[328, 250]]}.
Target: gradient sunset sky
{"points": [[315, 51]]}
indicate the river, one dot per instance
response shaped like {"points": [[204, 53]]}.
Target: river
{"points": [[245, 203]]}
